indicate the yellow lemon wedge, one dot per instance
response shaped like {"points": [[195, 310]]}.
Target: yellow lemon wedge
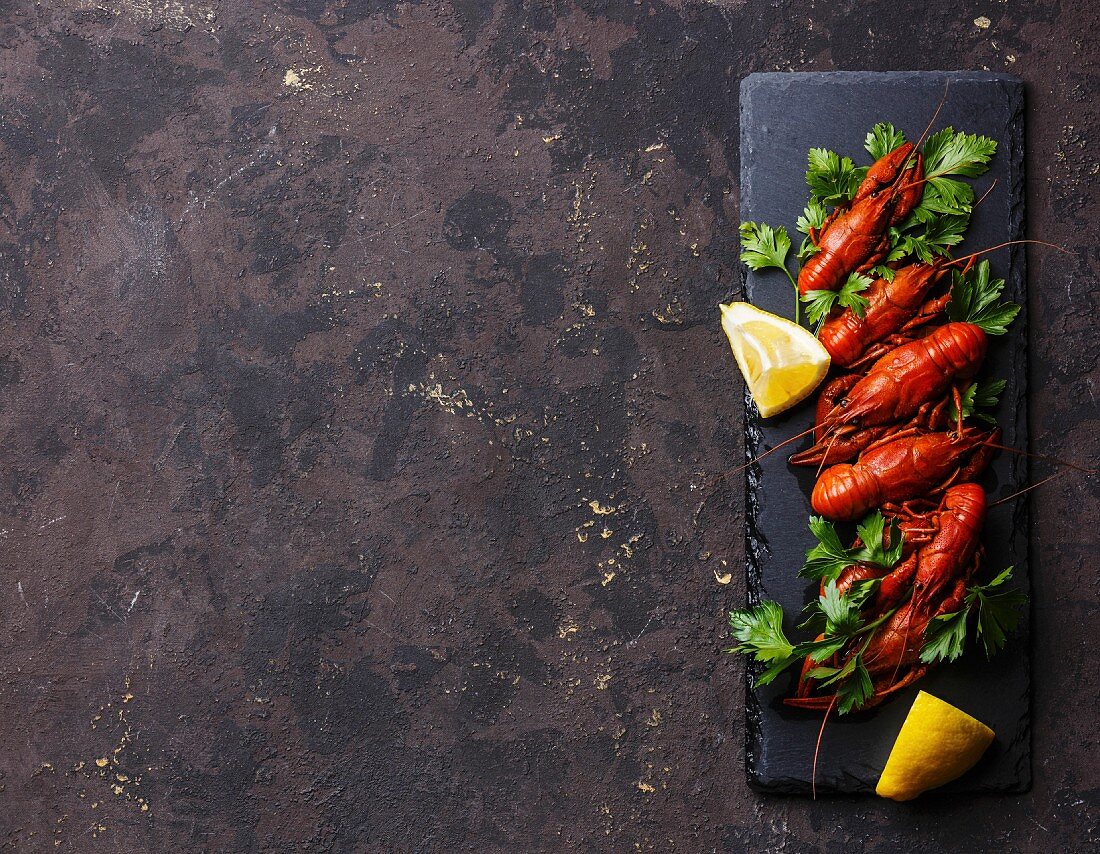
{"points": [[937, 744], [781, 362]]}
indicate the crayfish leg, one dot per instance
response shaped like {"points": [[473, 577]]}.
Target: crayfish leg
{"points": [[980, 459], [915, 674], [895, 584], [810, 702], [928, 312]]}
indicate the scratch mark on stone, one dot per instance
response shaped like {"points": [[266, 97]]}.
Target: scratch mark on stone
{"points": [[642, 632], [263, 155]]}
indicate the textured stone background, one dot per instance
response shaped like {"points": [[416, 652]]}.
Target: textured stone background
{"points": [[360, 389]]}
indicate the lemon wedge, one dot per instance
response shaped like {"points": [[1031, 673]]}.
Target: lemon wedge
{"points": [[937, 744], [781, 362]]}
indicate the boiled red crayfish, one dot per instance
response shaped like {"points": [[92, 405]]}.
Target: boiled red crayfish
{"points": [[930, 582], [847, 443], [856, 237], [910, 382], [895, 308], [899, 469]]}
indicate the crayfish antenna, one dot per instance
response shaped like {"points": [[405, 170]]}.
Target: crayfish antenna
{"points": [[757, 459], [920, 141], [817, 747], [828, 450], [1010, 243], [1044, 457], [932, 121], [985, 194], [1020, 492]]}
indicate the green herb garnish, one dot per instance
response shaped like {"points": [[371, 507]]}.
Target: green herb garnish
{"points": [[998, 611], [764, 247], [977, 397], [882, 139], [950, 153], [829, 557], [975, 298], [820, 303], [832, 179]]}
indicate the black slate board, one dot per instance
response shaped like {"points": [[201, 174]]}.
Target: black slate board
{"points": [[782, 116]]}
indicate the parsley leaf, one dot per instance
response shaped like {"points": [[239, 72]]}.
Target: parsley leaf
{"points": [[975, 298], [829, 557], [883, 272], [939, 235], [998, 614], [979, 396], [849, 293], [820, 303], [832, 179], [946, 195], [861, 591], [950, 153], [944, 637], [998, 611], [872, 532], [819, 650], [856, 688], [813, 216], [760, 631], [841, 614], [882, 139], [764, 247], [806, 251], [987, 393]]}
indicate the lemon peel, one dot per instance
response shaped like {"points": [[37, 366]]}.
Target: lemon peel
{"points": [[782, 362], [937, 744]]}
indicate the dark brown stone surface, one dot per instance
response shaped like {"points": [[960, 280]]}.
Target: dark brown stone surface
{"points": [[360, 388]]}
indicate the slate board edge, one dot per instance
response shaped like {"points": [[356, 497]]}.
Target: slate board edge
{"points": [[755, 541]]}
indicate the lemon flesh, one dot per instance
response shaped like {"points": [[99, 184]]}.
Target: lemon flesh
{"points": [[937, 744], [780, 361]]}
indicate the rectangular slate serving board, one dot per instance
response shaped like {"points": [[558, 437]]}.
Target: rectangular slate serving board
{"points": [[782, 116]]}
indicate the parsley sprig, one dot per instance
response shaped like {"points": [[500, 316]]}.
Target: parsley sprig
{"points": [[882, 139], [976, 298], [999, 611], [977, 397], [764, 247], [813, 217], [820, 303], [853, 681], [832, 179], [950, 153], [881, 547], [943, 214], [936, 237], [836, 617]]}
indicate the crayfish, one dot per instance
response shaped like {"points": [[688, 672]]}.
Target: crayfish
{"points": [[856, 237], [912, 382], [931, 581], [896, 470], [895, 308]]}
